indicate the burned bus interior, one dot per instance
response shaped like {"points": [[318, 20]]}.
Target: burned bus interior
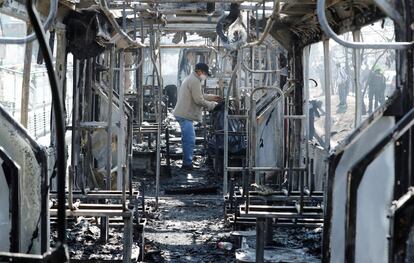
{"points": [[206, 131]]}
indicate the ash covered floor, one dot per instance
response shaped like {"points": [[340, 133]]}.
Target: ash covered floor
{"points": [[190, 227], [187, 227]]}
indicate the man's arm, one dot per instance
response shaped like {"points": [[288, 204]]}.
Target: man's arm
{"points": [[198, 96], [212, 97]]}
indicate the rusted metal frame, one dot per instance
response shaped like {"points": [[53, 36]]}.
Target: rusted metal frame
{"points": [[356, 174]]}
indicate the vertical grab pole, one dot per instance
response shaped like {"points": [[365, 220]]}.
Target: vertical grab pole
{"points": [[109, 128], [305, 63], [357, 69], [226, 141], [121, 133], [327, 68]]}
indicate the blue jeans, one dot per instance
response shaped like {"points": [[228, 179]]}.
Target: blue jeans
{"points": [[187, 139]]}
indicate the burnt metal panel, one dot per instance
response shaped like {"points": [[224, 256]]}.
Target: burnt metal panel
{"points": [[86, 31], [11, 173], [31, 157]]}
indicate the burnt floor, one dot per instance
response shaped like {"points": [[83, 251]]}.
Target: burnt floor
{"points": [[188, 227]]}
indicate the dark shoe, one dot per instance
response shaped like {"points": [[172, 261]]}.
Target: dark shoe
{"points": [[187, 167]]}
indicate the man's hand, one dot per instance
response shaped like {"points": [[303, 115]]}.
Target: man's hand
{"points": [[216, 98]]}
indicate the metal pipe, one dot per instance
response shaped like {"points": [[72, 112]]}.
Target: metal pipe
{"points": [[26, 80], [215, 49], [253, 138], [269, 81], [128, 233], [159, 126], [327, 68], [305, 64], [357, 84], [396, 205], [60, 124], [49, 20], [269, 24], [159, 117], [109, 127], [236, 91], [131, 69], [104, 7], [75, 133], [260, 239], [258, 71], [320, 10], [226, 131], [121, 133], [260, 66]]}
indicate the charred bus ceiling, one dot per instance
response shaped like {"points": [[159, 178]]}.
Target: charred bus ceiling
{"points": [[360, 191]]}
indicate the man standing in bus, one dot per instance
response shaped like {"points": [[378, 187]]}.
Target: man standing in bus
{"points": [[190, 102]]}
